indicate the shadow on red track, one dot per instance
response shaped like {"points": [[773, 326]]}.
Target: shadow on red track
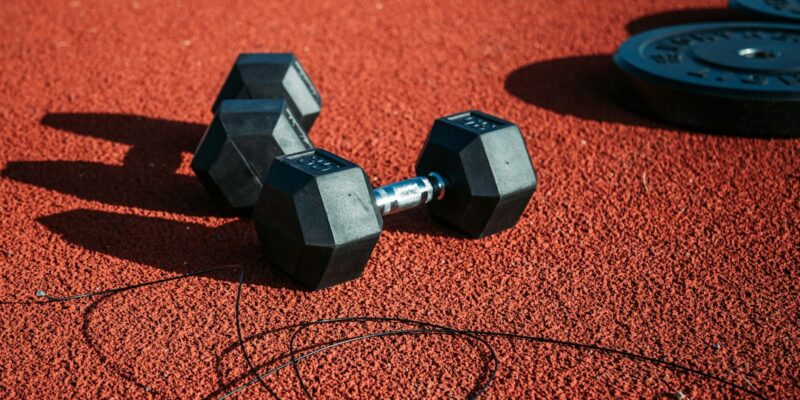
{"points": [[146, 180], [174, 246], [147, 177], [577, 86]]}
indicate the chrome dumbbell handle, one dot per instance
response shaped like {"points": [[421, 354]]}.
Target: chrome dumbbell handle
{"points": [[407, 194]]}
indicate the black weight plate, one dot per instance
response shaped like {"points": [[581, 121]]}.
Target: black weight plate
{"points": [[783, 9], [736, 78]]}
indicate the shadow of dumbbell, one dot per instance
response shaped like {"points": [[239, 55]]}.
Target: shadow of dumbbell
{"points": [[173, 246], [146, 179]]}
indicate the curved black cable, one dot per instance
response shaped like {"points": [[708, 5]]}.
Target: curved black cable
{"points": [[48, 298], [337, 343], [425, 328], [240, 338], [432, 329]]}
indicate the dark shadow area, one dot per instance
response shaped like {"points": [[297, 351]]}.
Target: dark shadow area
{"points": [[577, 86], [419, 221], [150, 188], [172, 137], [170, 245], [688, 16], [147, 178]]}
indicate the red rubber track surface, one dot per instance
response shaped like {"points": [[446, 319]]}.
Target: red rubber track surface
{"points": [[641, 237]]}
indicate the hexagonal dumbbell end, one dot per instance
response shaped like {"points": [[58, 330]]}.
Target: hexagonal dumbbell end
{"points": [[273, 75], [316, 218], [488, 172], [236, 151]]}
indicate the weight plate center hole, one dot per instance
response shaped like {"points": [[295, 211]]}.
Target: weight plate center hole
{"points": [[753, 53]]}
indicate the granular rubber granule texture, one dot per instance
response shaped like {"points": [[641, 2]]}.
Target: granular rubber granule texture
{"points": [[642, 237]]}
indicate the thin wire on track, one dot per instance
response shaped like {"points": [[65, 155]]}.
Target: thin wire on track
{"points": [[422, 328]]}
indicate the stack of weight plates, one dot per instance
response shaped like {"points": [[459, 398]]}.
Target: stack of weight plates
{"points": [[739, 78], [788, 10]]}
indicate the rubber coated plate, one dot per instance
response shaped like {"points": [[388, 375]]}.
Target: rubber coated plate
{"points": [[736, 77], [784, 9]]}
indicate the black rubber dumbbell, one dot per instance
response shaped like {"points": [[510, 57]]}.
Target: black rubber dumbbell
{"points": [[318, 218], [264, 110], [273, 76]]}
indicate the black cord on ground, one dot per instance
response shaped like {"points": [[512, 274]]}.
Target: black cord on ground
{"points": [[43, 294], [240, 339], [423, 328]]}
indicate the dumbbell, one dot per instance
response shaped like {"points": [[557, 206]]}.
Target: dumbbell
{"points": [[265, 108], [273, 76], [318, 218]]}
